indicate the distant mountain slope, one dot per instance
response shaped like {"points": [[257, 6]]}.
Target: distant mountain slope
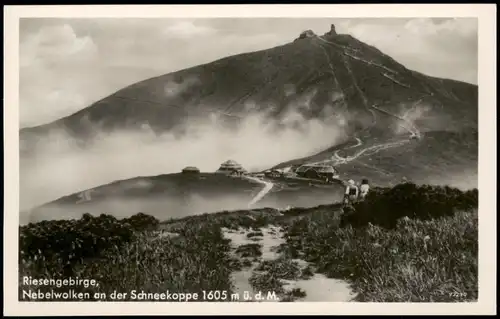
{"points": [[329, 75]]}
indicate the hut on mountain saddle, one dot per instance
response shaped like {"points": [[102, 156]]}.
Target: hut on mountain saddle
{"points": [[231, 168], [191, 170], [273, 173], [321, 171], [301, 170]]}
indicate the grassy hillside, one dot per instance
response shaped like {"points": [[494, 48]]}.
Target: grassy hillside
{"points": [[436, 157], [408, 243]]}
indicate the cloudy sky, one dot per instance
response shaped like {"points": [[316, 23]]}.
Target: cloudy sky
{"points": [[66, 64]]}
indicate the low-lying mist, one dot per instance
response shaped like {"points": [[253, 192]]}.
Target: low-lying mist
{"points": [[162, 207], [165, 206], [61, 168]]}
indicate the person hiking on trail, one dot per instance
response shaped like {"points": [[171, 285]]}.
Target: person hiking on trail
{"points": [[351, 192], [364, 188]]}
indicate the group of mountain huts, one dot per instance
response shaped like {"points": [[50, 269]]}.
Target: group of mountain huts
{"points": [[311, 171], [229, 167]]}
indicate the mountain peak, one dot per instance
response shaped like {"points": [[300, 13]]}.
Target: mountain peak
{"points": [[310, 34]]}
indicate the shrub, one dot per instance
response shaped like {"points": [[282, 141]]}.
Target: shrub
{"points": [[249, 250], [280, 268], [266, 282], [246, 263], [142, 221], [307, 273], [294, 294], [68, 242], [385, 206], [121, 256], [255, 234]]}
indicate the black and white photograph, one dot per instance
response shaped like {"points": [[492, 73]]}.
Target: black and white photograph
{"points": [[230, 159]]}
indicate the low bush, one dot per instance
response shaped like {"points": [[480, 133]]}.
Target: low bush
{"points": [[266, 282], [61, 244], [385, 206], [120, 256], [255, 234], [281, 268], [249, 250]]}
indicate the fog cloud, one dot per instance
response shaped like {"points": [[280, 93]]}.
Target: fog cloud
{"points": [[61, 167]]}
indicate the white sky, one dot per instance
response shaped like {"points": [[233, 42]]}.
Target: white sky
{"points": [[67, 64]]}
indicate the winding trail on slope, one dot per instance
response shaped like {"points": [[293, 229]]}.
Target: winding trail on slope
{"points": [[359, 143], [267, 187], [345, 49], [414, 105], [412, 129], [374, 149]]}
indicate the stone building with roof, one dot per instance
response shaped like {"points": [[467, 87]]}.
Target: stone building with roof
{"points": [[190, 170], [320, 171], [232, 168]]}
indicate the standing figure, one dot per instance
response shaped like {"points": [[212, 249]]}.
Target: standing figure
{"points": [[351, 192], [364, 188]]}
